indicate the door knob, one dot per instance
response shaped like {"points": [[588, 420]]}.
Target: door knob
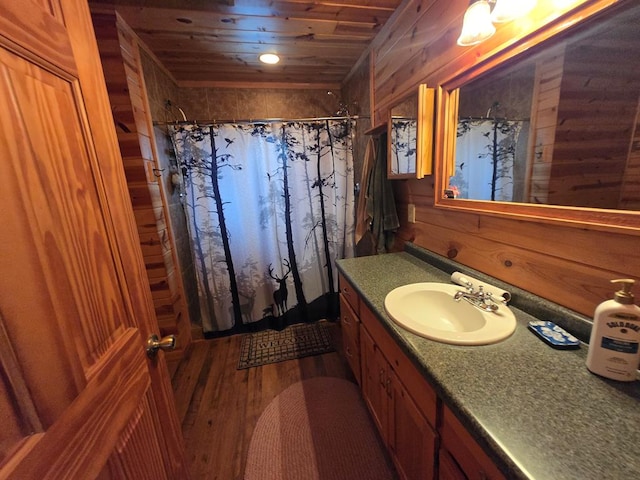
{"points": [[165, 343]]}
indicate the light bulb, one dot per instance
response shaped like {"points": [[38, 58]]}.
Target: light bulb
{"points": [[507, 10], [476, 26], [269, 58]]}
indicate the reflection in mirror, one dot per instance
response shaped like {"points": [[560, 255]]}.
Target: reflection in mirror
{"points": [[557, 127], [403, 138], [410, 134]]}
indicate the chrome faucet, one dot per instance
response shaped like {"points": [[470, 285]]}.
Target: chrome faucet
{"points": [[478, 298]]}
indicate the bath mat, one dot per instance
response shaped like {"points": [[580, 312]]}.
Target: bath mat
{"points": [[317, 429], [296, 341]]}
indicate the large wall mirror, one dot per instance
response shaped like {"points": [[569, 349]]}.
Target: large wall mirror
{"points": [[554, 132], [410, 135]]}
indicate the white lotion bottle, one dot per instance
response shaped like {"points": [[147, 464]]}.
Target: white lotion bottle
{"points": [[614, 346]]}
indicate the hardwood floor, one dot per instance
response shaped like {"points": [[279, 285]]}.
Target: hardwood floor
{"points": [[219, 405]]}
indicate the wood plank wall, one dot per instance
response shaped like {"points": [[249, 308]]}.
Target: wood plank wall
{"points": [[590, 155], [630, 192], [568, 265], [544, 118], [128, 97]]}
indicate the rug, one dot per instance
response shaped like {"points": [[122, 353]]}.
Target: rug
{"points": [[317, 429], [296, 341]]}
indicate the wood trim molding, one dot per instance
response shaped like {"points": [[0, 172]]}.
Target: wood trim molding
{"points": [[254, 85], [627, 222], [377, 130]]}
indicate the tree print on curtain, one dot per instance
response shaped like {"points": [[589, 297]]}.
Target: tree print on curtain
{"points": [[485, 154], [404, 142], [270, 208]]}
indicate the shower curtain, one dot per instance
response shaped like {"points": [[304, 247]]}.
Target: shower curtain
{"points": [[404, 140], [270, 207], [485, 156]]}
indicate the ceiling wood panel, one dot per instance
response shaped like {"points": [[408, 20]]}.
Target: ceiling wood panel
{"points": [[218, 41], [170, 46]]}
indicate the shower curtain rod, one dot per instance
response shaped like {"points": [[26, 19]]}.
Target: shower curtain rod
{"points": [[494, 119], [205, 123]]}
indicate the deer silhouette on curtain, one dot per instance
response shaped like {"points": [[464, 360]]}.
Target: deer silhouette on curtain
{"points": [[270, 207]]}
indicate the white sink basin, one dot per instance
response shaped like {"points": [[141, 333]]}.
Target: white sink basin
{"points": [[429, 310]]}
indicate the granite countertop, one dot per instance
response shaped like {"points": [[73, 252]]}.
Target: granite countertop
{"points": [[537, 411]]}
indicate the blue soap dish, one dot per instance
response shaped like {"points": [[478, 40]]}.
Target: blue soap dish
{"points": [[553, 335]]}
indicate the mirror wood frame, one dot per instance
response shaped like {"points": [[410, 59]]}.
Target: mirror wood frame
{"points": [[446, 125], [424, 135]]}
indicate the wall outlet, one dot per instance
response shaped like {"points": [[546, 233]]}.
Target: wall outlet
{"points": [[411, 217]]}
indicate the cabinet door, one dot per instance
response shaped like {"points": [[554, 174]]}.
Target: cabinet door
{"points": [[448, 469], [374, 382], [412, 440], [350, 337], [466, 452]]}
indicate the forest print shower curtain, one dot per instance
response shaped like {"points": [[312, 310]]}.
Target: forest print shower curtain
{"points": [[485, 159], [270, 208]]}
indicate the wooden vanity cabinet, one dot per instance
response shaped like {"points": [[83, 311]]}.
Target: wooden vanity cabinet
{"points": [[448, 468], [350, 337], [350, 324], [412, 439], [460, 456], [401, 403], [375, 375], [348, 293]]}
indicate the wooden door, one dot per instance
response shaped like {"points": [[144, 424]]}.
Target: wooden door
{"points": [[79, 398]]}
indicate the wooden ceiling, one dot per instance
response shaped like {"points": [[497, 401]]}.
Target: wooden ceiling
{"points": [[217, 42]]}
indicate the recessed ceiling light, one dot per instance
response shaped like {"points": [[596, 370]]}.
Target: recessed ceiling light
{"points": [[269, 58]]}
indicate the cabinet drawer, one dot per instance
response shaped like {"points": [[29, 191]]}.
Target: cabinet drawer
{"points": [[350, 325], [349, 293], [468, 455]]}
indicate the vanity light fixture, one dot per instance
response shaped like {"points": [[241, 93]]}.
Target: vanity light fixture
{"points": [[479, 18], [507, 10], [269, 58], [476, 26]]}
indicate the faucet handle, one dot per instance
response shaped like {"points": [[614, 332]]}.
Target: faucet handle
{"points": [[482, 293], [487, 299]]}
